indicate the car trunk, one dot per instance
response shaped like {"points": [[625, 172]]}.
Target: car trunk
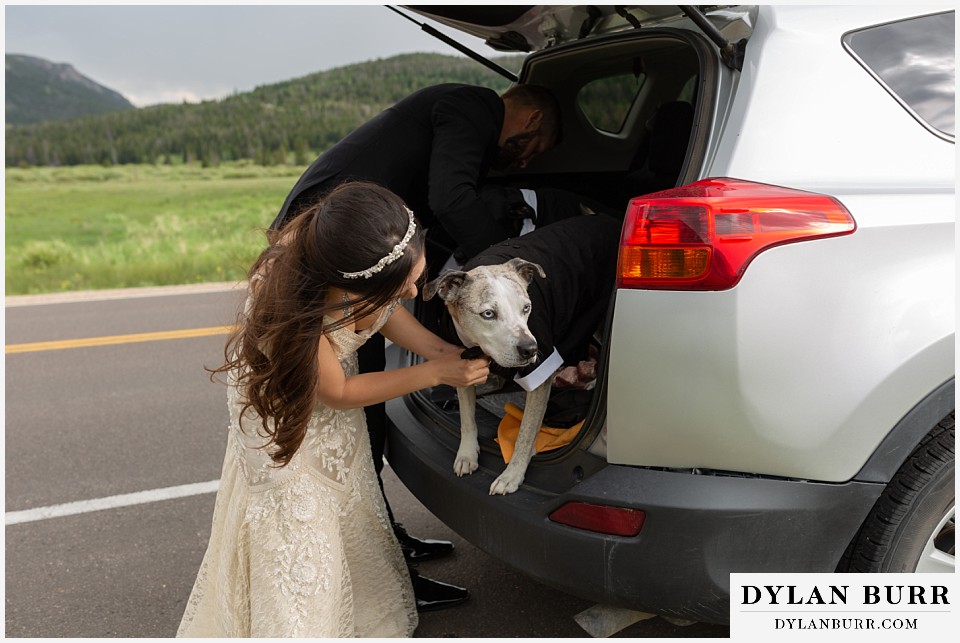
{"points": [[637, 109]]}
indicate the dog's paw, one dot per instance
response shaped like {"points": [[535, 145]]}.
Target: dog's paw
{"points": [[506, 483], [465, 464]]}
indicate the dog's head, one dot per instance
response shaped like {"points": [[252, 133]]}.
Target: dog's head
{"points": [[490, 305]]}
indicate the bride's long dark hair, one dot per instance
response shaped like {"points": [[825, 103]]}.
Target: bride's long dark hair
{"points": [[273, 351]]}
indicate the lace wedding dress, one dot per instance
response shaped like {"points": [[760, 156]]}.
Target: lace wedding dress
{"points": [[306, 549]]}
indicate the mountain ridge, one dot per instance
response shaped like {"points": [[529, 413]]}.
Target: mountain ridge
{"points": [[38, 90], [270, 124]]}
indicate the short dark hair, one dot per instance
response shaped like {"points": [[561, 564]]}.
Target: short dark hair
{"points": [[539, 97]]}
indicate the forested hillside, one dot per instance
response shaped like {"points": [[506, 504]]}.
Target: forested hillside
{"points": [[38, 90], [272, 124]]}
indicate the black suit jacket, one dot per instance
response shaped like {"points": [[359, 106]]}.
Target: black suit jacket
{"points": [[432, 149], [579, 256]]}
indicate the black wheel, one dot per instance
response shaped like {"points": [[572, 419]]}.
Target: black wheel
{"points": [[911, 527]]}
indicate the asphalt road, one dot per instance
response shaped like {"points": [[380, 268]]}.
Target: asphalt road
{"points": [[88, 425]]}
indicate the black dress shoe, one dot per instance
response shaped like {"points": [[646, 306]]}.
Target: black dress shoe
{"points": [[433, 595], [416, 549]]}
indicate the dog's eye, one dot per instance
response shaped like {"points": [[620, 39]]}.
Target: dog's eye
{"points": [[526, 309], [488, 314]]}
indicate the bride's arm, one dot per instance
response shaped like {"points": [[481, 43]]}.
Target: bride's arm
{"points": [[403, 329], [338, 391]]}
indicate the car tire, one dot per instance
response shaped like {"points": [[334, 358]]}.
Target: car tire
{"points": [[911, 526]]}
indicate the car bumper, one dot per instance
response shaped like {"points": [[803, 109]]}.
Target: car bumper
{"points": [[698, 528]]}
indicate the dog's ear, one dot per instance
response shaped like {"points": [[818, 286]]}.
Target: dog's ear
{"points": [[526, 269], [446, 285]]}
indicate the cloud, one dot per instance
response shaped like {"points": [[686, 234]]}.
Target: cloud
{"points": [[166, 95]]}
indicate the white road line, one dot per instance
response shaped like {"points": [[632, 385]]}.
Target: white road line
{"points": [[110, 502], [121, 293]]}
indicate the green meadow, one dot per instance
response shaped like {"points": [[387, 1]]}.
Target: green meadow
{"points": [[94, 227]]}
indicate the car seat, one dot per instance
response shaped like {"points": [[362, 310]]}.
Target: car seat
{"points": [[659, 159]]}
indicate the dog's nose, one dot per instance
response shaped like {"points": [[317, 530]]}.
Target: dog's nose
{"points": [[527, 350]]}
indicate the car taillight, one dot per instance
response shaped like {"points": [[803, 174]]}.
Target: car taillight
{"points": [[617, 521], [702, 236]]}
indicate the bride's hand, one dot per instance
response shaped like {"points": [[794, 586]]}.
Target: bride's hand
{"points": [[460, 373]]}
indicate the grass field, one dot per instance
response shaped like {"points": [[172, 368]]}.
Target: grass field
{"points": [[92, 227]]}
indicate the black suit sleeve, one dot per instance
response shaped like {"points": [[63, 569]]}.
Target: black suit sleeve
{"points": [[465, 133]]}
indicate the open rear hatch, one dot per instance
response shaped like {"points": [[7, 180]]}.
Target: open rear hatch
{"points": [[638, 90]]}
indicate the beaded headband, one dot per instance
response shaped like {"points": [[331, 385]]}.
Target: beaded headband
{"points": [[391, 257]]}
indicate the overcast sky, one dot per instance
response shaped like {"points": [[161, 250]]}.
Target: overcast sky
{"points": [[162, 54]]}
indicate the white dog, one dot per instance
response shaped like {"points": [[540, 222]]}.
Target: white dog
{"points": [[503, 303], [490, 306]]}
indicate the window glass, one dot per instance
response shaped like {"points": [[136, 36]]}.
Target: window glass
{"points": [[915, 60], [607, 101], [689, 92]]}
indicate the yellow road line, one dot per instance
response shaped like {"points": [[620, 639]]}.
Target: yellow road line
{"points": [[117, 339]]}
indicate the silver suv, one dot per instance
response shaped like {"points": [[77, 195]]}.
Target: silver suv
{"points": [[775, 387]]}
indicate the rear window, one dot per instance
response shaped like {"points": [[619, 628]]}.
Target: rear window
{"points": [[606, 102], [914, 60]]}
